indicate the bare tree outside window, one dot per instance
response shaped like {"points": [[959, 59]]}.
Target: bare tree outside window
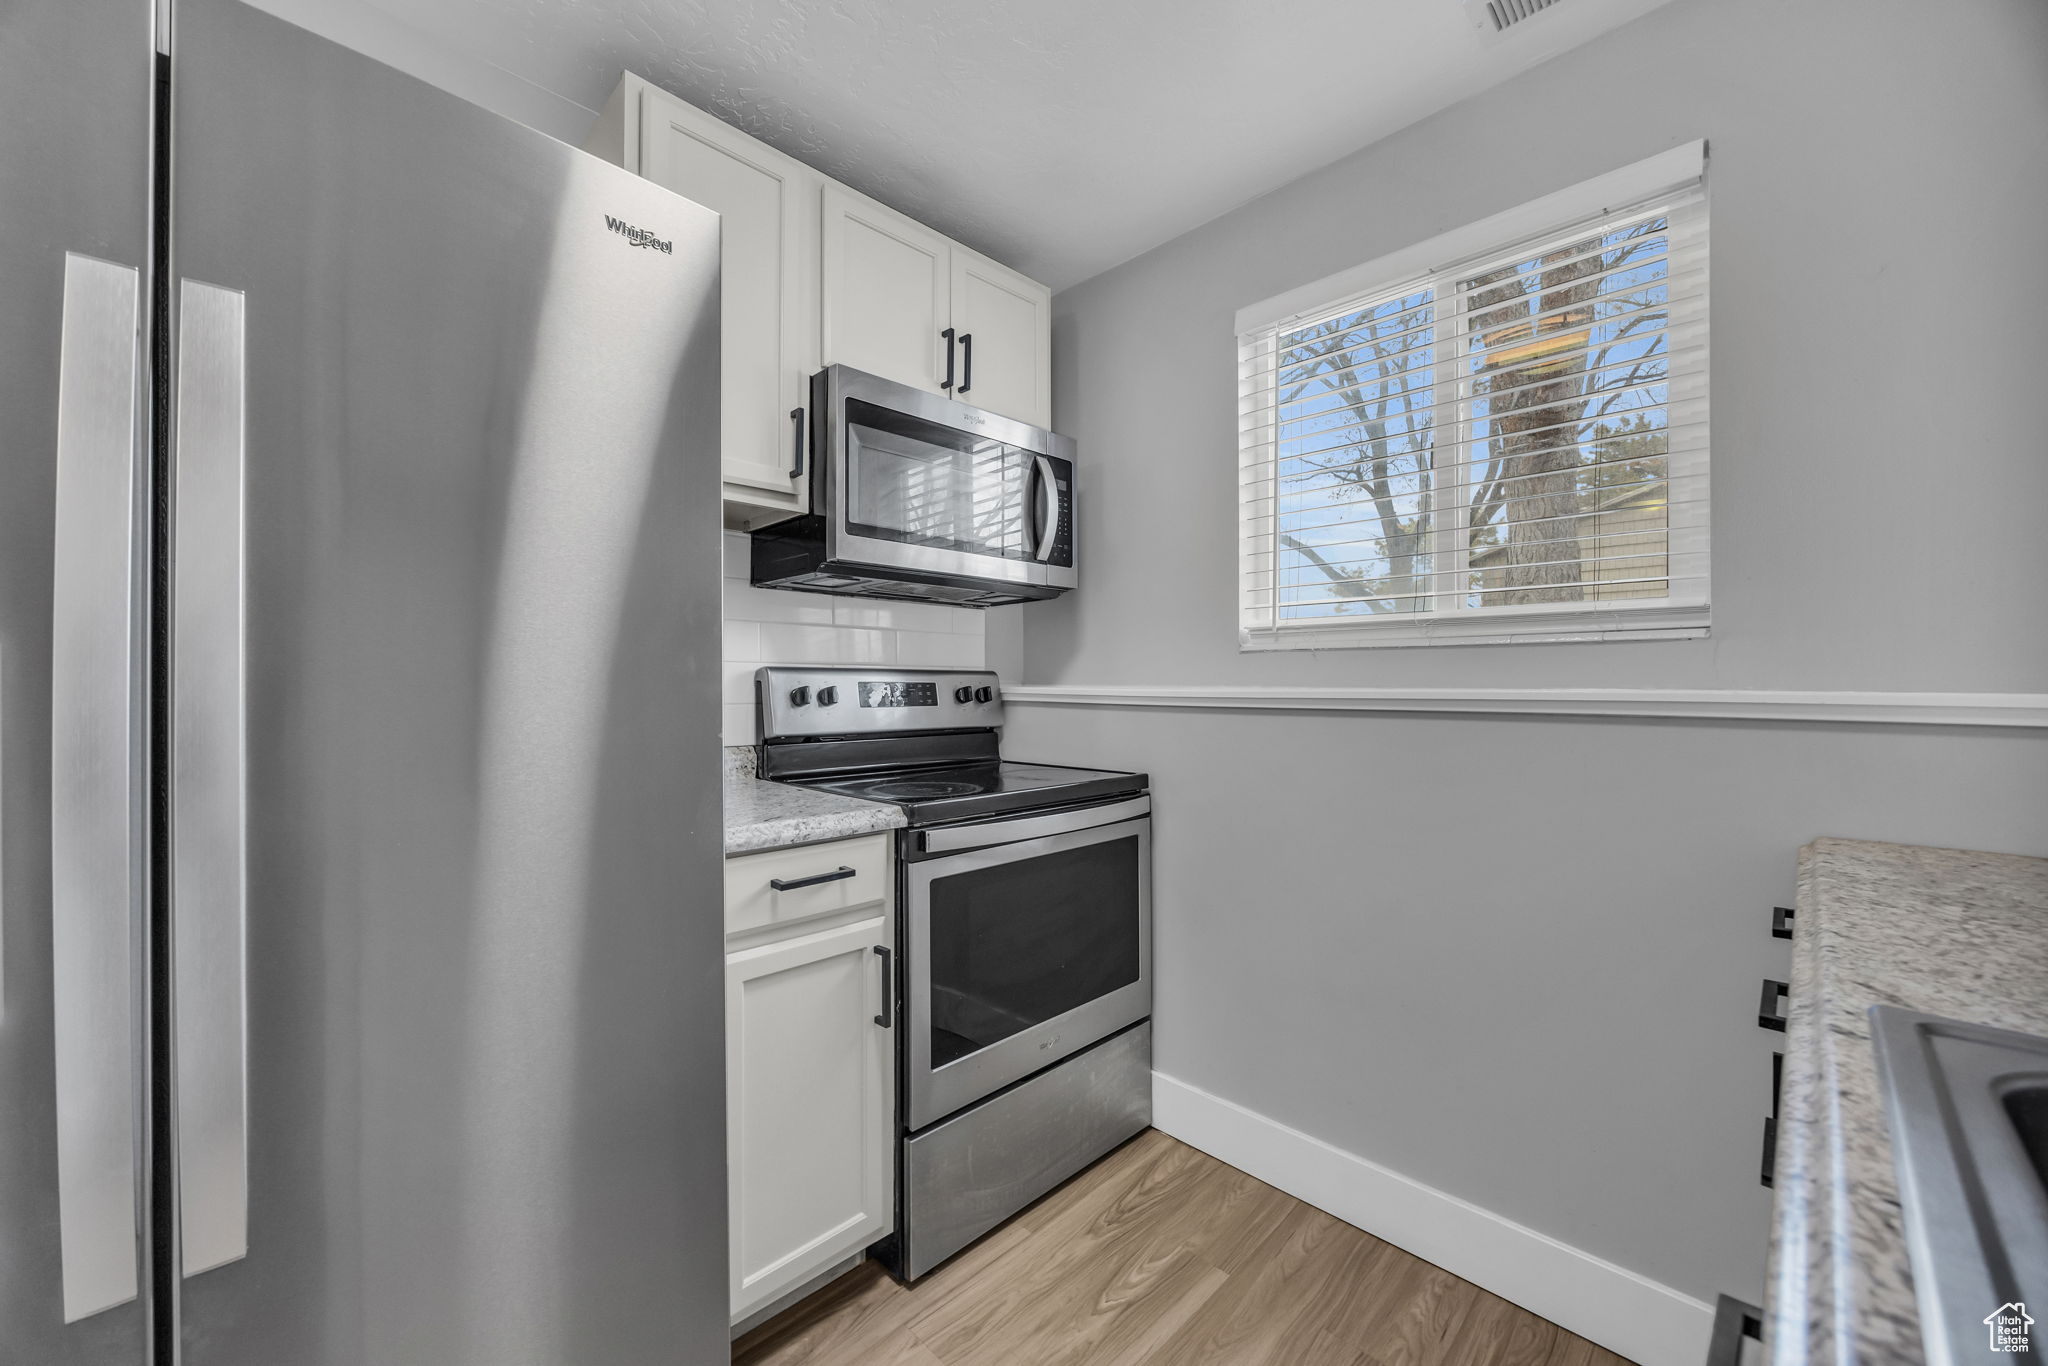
{"points": [[1568, 352], [1358, 409], [1495, 440]]}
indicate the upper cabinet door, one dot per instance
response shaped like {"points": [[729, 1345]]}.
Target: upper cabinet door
{"points": [[886, 282], [1004, 325], [769, 206]]}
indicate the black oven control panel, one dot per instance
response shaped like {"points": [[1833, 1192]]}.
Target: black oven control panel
{"points": [[896, 692], [796, 702]]}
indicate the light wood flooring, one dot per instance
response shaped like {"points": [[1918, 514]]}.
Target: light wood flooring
{"points": [[1162, 1254]]}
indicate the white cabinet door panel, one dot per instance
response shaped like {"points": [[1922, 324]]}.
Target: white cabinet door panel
{"points": [[768, 206], [810, 1119], [886, 282], [1005, 323]]}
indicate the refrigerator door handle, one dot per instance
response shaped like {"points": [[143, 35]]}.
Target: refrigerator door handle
{"points": [[94, 782], [208, 779]]}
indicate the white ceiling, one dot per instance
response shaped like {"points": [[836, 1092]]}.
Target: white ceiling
{"points": [[1059, 136]]}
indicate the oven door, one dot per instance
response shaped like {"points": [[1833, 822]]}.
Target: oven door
{"points": [[918, 482], [1023, 952]]}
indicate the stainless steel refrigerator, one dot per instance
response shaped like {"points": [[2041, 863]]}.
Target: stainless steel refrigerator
{"points": [[360, 973]]}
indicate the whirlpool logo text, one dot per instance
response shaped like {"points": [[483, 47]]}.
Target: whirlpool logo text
{"points": [[639, 237]]}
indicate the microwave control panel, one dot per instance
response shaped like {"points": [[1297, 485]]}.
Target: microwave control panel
{"points": [[1062, 549]]}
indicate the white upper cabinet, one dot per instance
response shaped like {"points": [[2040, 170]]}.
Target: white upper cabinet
{"points": [[1004, 326], [818, 274], [905, 303], [768, 206], [885, 293]]}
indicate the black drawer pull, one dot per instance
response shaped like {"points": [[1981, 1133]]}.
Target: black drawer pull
{"points": [[1770, 1148], [1767, 1013], [792, 884], [1781, 922], [1733, 1321]]}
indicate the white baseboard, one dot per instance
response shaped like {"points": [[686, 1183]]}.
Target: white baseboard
{"points": [[1623, 1312]]}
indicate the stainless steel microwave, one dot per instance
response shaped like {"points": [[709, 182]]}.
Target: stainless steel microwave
{"points": [[917, 496]]}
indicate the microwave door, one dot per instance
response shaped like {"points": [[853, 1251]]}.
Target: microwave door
{"points": [[917, 495]]}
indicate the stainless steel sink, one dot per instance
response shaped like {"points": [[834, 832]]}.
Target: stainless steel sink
{"points": [[1968, 1107]]}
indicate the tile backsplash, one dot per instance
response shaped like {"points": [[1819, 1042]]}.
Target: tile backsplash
{"points": [[776, 626]]}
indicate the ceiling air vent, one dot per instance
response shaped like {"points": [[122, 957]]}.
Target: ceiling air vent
{"points": [[1498, 16]]}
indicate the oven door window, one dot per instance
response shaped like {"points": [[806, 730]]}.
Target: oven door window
{"points": [[1020, 943], [920, 484]]}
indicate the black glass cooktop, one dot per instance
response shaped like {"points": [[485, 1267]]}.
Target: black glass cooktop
{"points": [[955, 792]]}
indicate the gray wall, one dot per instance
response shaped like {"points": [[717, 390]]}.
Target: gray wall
{"points": [[1517, 958], [1879, 185]]}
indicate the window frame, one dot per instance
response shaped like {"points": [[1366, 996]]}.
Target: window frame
{"points": [[1672, 181]]}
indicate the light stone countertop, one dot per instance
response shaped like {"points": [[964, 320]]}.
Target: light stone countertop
{"points": [[763, 815], [1948, 932]]}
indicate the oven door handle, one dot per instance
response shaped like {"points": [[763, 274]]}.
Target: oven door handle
{"points": [[947, 839]]}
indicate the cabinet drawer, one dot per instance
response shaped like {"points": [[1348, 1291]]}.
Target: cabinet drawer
{"points": [[753, 902]]}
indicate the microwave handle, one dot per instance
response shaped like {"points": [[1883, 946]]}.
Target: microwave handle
{"points": [[1046, 502]]}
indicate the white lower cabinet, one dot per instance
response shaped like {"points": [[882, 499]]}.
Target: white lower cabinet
{"points": [[810, 1078]]}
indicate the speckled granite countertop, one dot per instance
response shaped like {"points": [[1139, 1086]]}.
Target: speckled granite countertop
{"points": [[1944, 931], [762, 815]]}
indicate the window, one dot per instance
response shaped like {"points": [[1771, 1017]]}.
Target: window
{"points": [[1497, 435]]}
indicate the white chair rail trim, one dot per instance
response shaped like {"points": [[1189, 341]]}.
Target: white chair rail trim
{"points": [[2024, 710]]}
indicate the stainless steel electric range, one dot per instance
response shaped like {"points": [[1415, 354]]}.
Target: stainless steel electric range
{"points": [[1024, 937]]}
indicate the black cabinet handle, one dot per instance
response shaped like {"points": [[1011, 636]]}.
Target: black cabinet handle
{"points": [[947, 383], [796, 454], [792, 884], [887, 1019], [966, 361], [1777, 1080], [1781, 922], [1770, 1149], [1767, 1013], [1733, 1321]]}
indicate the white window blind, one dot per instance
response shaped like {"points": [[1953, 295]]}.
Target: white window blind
{"points": [[1510, 446]]}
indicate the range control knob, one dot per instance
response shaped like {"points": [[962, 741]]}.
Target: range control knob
{"points": [[984, 694], [963, 694], [799, 697], [827, 696]]}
